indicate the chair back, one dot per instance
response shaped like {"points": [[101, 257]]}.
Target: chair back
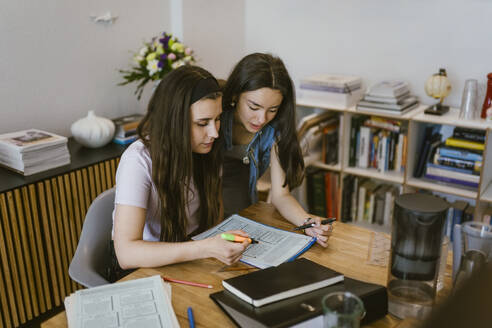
{"points": [[92, 258]]}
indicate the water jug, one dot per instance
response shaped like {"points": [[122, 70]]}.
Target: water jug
{"points": [[416, 243]]}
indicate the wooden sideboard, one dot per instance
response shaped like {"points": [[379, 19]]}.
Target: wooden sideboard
{"points": [[41, 218]]}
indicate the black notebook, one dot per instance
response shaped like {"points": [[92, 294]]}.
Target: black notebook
{"points": [[277, 283], [305, 308]]}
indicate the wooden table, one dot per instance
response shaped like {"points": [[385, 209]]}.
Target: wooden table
{"points": [[346, 253]]}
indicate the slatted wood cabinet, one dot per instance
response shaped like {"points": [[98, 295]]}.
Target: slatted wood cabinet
{"points": [[41, 220]]}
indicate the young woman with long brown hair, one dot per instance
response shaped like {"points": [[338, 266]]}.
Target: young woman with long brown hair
{"points": [[259, 130], [168, 182]]}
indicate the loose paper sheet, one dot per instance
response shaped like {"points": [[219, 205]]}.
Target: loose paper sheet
{"points": [[137, 303]]}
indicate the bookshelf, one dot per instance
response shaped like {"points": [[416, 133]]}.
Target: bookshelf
{"points": [[415, 121]]}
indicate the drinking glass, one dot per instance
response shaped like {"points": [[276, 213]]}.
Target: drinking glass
{"points": [[342, 310], [469, 105]]}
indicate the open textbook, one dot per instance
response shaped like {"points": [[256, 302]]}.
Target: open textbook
{"points": [[275, 245], [144, 302]]}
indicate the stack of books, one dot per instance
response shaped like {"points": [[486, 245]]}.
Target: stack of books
{"points": [[126, 128], [458, 160], [290, 294], [33, 151], [336, 91], [391, 97]]}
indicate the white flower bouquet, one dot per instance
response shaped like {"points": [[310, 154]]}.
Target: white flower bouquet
{"points": [[155, 59]]}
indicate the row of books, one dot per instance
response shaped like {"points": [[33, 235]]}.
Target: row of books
{"points": [[367, 200], [126, 129], [456, 160], [32, 151], [323, 189], [392, 97], [378, 143]]}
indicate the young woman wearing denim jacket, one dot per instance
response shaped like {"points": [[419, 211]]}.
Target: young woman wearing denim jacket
{"points": [[259, 131]]}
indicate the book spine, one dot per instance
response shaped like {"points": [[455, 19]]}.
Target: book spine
{"points": [[372, 204], [348, 186], [459, 154], [404, 154], [382, 155], [469, 134], [451, 180], [361, 199], [354, 200], [458, 163], [464, 144], [452, 172], [125, 141], [328, 195], [388, 203], [325, 88], [319, 198], [419, 168], [126, 134], [382, 125], [364, 144]]}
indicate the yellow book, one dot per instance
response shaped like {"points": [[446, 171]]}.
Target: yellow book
{"points": [[453, 142]]}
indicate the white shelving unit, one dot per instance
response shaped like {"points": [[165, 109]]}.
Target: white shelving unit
{"points": [[417, 120]]}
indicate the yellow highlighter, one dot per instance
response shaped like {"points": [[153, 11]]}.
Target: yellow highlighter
{"points": [[236, 238]]}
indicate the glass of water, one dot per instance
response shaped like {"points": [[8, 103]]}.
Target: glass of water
{"points": [[342, 310]]}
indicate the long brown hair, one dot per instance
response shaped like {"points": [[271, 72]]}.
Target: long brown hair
{"points": [[259, 70], [166, 132]]}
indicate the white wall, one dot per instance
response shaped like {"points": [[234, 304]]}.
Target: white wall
{"points": [[215, 30], [377, 39], [56, 64]]}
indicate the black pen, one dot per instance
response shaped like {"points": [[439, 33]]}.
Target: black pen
{"points": [[312, 224]]}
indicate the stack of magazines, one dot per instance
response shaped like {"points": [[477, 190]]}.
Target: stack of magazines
{"points": [[336, 91], [144, 302], [33, 151], [392, 97]]}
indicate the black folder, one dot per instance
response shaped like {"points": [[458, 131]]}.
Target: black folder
{"points": [[301, 308]]}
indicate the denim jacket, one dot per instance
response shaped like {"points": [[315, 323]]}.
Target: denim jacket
{"points": [[258, 150]]}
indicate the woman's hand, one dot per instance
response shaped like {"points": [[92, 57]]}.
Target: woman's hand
{"points": [[226, 251], [321, 232]]}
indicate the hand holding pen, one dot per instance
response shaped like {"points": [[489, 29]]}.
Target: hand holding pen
{"points": [[319, 228], [312, 224], [227, 249]]}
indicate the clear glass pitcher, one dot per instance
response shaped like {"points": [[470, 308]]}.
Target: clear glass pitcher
{"points": [[472, 248]]}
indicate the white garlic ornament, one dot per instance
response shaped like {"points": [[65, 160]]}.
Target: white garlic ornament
{"points": [[93, 131]]}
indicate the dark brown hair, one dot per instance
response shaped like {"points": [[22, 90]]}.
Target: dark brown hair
{"points": [[257, 71], [166, 132]]}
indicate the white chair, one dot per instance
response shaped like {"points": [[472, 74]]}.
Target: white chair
{"points": [[89, 266]]}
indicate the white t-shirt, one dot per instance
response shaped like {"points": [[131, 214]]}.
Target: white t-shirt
{"points": [[134, 186]]}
